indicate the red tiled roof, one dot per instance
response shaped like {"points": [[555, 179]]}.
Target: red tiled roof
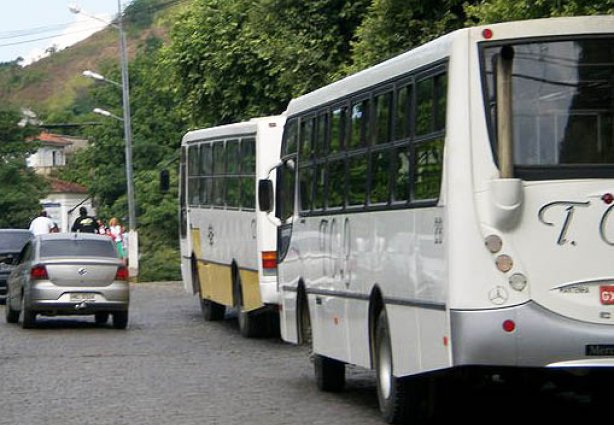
{"points": [[53, 139], [61, 186]]}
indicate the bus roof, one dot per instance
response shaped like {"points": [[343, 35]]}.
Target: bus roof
{"points": [[439, 49], [230, 130]]}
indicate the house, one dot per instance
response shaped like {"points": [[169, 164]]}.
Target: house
{"points": [[64, 199], [63, 202]]}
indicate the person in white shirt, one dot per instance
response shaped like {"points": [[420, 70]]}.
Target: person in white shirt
{"points": [[42, 224]]}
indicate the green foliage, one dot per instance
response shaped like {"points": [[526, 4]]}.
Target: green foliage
{"points": [[21, 189], [394, 26], [493, 11], [235, 60]]}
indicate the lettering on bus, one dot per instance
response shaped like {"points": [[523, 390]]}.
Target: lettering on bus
{"points": [[569, 209]]}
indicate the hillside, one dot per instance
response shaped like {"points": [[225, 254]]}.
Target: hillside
{"points": [[55, 83]]}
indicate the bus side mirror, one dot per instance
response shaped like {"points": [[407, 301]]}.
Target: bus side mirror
{"points": [[164, 181], [265, 195]]}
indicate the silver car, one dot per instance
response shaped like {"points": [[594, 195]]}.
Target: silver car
{"points": [[69, 274]]}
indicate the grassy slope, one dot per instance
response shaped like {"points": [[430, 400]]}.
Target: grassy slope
{"points": [[54, 83]]}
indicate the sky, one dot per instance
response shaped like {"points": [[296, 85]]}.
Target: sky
{"points": [[29, 27]]}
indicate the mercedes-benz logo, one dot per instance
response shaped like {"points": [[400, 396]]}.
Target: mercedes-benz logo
{"points": [[498, 295], [82, 271]]}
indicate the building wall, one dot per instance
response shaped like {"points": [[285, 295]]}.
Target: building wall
{"points": [[63, 208]]}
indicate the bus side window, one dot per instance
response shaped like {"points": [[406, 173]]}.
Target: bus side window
{"points": [[248, 173], [425, 117], [306, 183], [193, 177], [428, 167], [402, 112], [285, 190], [306, 138], [359, 126], [382, 121], [205, 172], [338, 128], [233, 188], [219, 161]]}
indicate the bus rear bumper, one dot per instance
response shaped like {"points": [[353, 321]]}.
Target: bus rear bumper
{"points": [[540, 338]]}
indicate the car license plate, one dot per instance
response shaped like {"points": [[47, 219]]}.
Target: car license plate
{"points": [[82, 297], [606, 294]]}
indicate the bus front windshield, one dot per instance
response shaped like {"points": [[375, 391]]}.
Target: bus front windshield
{"points": [[562, 106]]}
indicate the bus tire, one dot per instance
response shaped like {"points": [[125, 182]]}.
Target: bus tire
{"points": [[211, 310], [330, 373], [303, 320], [399, 398], [251, 323]]}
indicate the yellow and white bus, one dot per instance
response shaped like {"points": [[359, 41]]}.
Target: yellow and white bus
{"points": [[228, 248], [451, 209]]}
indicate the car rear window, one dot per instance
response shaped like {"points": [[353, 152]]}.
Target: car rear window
{"points": [[78, 248], [13, 241]]}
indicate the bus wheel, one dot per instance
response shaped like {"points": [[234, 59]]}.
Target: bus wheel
{"points": [[330, 373], [304, 320], [251, 324], [398, 397], [211, 310]]}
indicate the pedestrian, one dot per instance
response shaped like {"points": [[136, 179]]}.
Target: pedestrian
{"points": [[102, 228], [84, 223], [42, 224], [117, 233]]}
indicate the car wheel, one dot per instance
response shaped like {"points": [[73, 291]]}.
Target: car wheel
{"points": [[101, 318], [120, 319], [12, 316], [28, 317]]}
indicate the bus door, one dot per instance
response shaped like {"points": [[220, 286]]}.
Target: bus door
{"points": [[184, 237]]}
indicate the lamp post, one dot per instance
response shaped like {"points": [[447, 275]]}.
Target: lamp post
{"points": [[133, 261]]}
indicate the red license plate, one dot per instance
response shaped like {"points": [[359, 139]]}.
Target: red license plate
{"points": [[606, 295]]}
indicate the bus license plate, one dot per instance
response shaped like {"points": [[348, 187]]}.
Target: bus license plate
{"points": [[79, 297], [606, 295]]}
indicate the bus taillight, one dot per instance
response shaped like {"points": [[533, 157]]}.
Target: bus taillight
{"points": [[269, 259]]}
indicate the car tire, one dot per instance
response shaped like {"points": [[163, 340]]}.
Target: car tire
{"points": [[28, 317], [12, 316], [120, 319], [101, 318]]}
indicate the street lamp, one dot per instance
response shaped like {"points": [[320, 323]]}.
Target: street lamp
{"points": [[106, 113], [96, 76], [133, 260]]}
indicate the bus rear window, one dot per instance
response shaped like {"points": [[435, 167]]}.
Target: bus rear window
{"points": [[563, 106], [78, 248]]}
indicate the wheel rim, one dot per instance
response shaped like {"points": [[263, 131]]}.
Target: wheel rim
{"points": [[385, 368]]}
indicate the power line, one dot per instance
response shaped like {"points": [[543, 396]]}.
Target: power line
{"points": [[33, 40], [132, 17]]}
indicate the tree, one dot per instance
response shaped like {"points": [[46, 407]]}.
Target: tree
{"points": [[493, 11], [21, 188], [235, 60], [392, 27]]}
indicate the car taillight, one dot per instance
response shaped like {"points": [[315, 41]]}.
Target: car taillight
{"points": [[122, 273], [39, 273], [269, 259]]}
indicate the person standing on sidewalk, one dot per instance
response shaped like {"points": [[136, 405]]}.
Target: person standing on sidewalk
{"points": [[42, 224], [85, 223]]}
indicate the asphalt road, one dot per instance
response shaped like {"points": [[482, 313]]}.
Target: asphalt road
{"points": [[170, 367]]}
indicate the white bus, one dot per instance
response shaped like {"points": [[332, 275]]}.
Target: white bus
{"points": [[228, 248], [451, 209]]}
